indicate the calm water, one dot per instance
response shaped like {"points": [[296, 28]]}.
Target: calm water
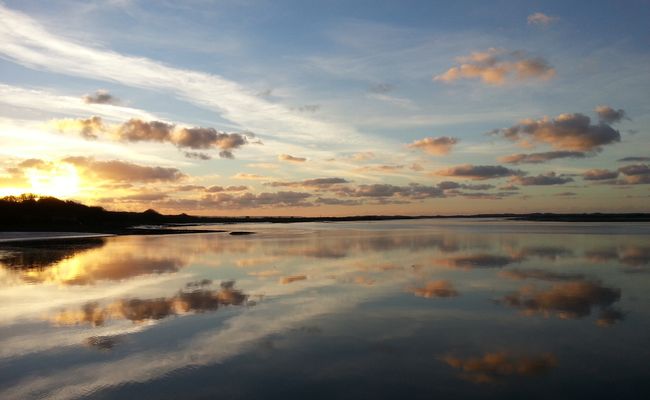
{"points": [[418, 309]]}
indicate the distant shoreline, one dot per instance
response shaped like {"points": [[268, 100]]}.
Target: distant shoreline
{"points": [[53, 232], [48, 214]]}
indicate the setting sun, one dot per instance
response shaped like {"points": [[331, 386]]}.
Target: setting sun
{"points": [[62, 181]]}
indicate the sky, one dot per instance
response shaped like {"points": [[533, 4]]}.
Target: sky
{"points": [[325, 108]]}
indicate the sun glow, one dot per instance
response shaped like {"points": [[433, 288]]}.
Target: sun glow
{"points": [[62, 181]]}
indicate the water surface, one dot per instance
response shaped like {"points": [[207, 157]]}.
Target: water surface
{"points": [[391, 309]]}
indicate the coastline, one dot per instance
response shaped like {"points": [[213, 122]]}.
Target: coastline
{"points": [[54, 232], [21, 237]]}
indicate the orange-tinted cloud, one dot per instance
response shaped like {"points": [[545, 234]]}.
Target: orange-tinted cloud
{"points": [[631, 255], [364, 280], [609, 317], [636, 174], [362, 156], [89, 128], [139, 310], [494, 367], [497, 67], [537, 158], [570, 132], [439, 288], [247, 176], [136, 130], [265, 273], [385, 168], [438, 146], [568, 300], [117, 170], [609, 115], [290, 158], [292, 278]]}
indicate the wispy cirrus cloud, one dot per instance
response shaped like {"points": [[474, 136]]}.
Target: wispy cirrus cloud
{"points": [[41, 100], [26, 42]]}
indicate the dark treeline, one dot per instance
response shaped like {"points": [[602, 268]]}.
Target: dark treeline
{"points": [[30, 213]]}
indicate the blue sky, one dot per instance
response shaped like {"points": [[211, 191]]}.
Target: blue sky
{"points": [[349, 89]]}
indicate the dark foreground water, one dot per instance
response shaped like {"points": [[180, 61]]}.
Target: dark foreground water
{"points": [[412, 310]]}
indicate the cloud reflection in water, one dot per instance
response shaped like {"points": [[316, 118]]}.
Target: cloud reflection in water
{"points": [[139, 310]]}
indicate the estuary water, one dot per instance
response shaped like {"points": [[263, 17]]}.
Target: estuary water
{"points": [[422, 309]]}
